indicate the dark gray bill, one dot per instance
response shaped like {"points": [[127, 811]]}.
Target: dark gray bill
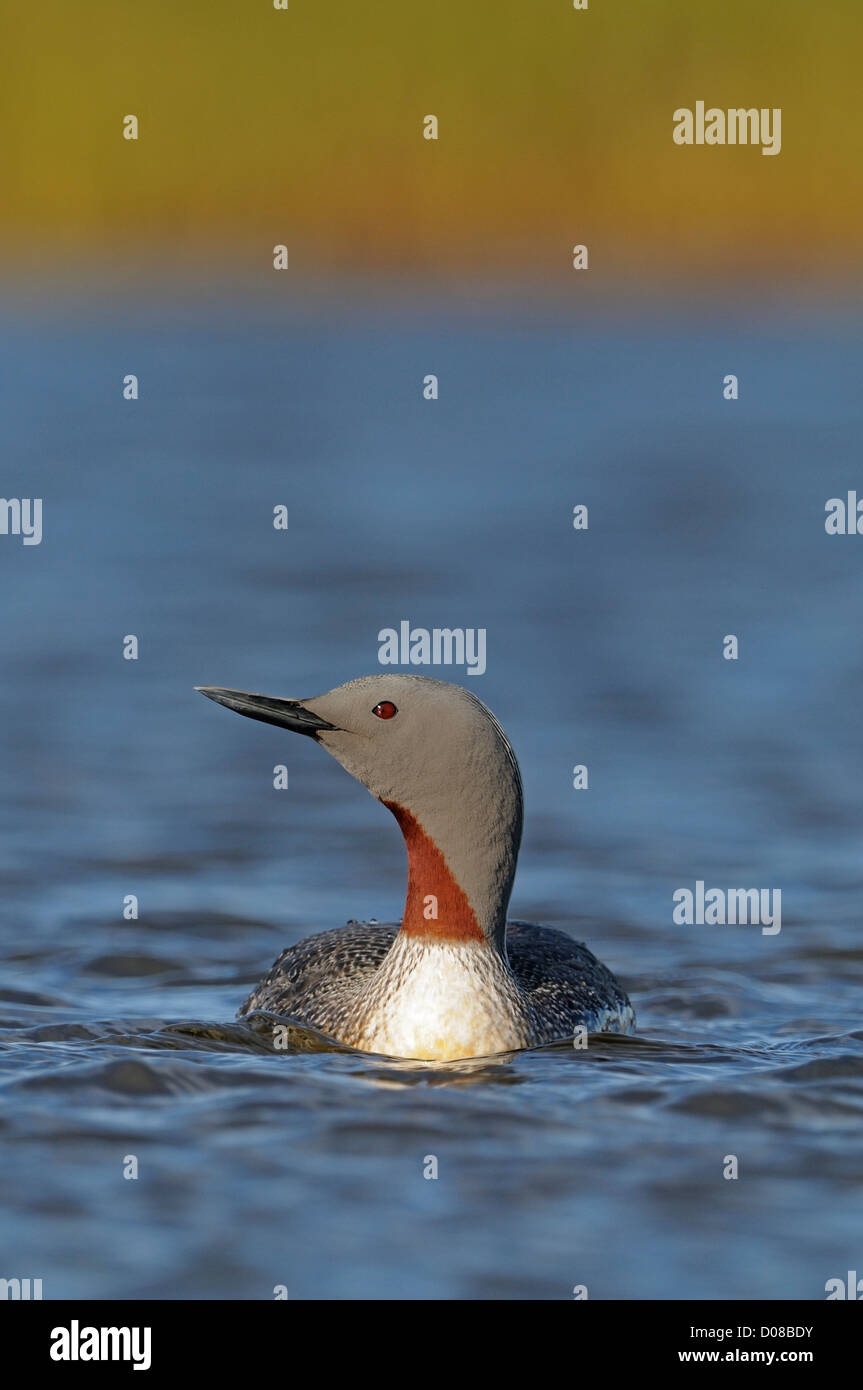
{"points": [[270, 709]]}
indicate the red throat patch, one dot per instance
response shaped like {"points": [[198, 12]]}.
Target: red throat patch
{"points": [[436, 906]]}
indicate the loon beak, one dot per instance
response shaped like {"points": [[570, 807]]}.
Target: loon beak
{"points": [[270, 709]]}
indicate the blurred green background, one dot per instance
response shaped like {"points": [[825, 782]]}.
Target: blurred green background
{"points": [[259, 126]]}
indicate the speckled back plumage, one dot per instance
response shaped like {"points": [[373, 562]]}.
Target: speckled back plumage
{"points": [[558, 985]]}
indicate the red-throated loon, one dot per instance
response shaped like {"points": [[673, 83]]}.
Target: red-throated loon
{"points": [[455, 979]]}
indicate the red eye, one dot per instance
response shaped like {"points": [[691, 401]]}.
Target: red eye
{"points": [[385, 710]]}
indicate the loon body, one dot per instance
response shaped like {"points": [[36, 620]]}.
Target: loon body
{"points": [[454, 979]]}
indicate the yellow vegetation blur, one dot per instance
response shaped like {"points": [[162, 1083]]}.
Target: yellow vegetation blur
{"points": [[304, 126]]}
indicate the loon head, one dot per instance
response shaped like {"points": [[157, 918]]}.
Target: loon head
{"points": [[438, 759]]}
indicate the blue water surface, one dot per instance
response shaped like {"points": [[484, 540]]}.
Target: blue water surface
{"points": [[556, 1168]]}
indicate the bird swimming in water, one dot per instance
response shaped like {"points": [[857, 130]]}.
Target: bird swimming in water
{"points": [[455, 979]]}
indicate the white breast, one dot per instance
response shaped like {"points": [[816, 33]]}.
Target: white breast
{"points": [[441, 1001]]}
